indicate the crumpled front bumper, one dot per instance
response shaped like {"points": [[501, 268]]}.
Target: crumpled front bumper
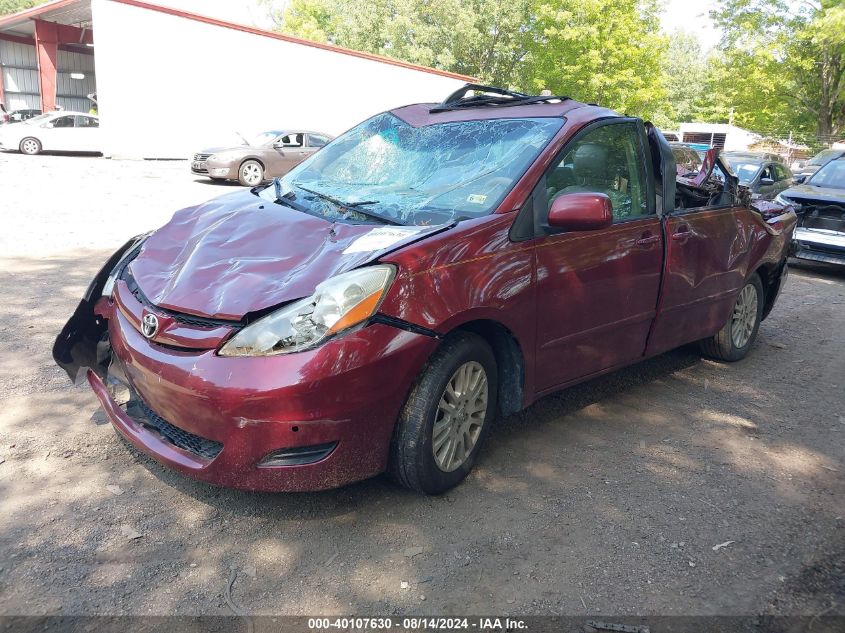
{"points": [[344, 396]]}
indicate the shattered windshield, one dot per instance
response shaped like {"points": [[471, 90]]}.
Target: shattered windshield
{"points": [[417, 175]]}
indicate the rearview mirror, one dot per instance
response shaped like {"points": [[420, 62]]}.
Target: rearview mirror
{"points": [[583, 211]]}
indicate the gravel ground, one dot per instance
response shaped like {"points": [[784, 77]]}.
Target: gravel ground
{"points": [[610, 497]]}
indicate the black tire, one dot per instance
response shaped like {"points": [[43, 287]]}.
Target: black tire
{"points": [[246, 171], [412, 463], [721, 345], [30, 145]]}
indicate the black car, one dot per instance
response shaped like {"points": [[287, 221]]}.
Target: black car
{"points": [[16, 116], [820, 205], [763, 174]]}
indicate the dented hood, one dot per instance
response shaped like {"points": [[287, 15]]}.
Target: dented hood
{"points": [[240, 254]]}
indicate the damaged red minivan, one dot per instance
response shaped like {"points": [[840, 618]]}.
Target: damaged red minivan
{"points": [[434, 267]]}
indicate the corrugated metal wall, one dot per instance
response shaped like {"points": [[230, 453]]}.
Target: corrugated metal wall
{"points": [[20, 78], [71, 93], [20, 75]]}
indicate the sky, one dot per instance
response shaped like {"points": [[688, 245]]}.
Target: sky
{"points": [[678, 15], [692, 17]]}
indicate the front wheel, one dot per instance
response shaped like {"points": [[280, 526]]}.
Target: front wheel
{"points": [[251, 173], [446, 417], [30, 146], [733, 341]]}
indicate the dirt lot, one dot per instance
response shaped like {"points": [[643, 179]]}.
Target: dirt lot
{"points": [[608, 498]]}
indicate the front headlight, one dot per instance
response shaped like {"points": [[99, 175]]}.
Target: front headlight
{"points": [[336, 305], [782, 201]]}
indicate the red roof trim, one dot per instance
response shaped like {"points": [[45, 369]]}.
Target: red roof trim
{"points": [[34, 12], [291, 39]]}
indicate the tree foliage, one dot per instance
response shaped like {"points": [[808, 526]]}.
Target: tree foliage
{"points": [[13, 6], [607, 51], [782, 65], [603, 51], [482, 38], [684, 72]]}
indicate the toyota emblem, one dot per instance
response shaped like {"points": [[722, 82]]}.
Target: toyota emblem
{"points": [[149, 325]]}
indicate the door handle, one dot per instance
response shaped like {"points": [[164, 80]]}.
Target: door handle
{"points": [[681, 233], [646, 239]]}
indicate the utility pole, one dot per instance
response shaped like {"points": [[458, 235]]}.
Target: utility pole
{"points": [[731, 116]]}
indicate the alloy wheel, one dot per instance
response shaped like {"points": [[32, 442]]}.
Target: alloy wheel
{"points": [[30, 146], [251, 174], [460, 416], [744, 317]]}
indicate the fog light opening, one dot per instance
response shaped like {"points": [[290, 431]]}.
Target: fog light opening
{"points": [[297, 456]]}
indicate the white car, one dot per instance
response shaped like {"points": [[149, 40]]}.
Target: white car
{"points": [[54, 131]]}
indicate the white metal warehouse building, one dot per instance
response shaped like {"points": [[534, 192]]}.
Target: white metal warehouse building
{"points": [[169, 82]]}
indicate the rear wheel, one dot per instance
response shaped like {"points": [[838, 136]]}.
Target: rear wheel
{"points": [[251, 173], [733, 341], [446, 417], [30, 146]]}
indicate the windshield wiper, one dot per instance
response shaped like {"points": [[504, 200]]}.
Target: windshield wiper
{"points": [[282, 198], [352, 207]]}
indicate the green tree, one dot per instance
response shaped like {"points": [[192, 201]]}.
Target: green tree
{"points": [[603, 51], [783, 65], [486, 39], [597, 50], [13, 6], [684, 72]]}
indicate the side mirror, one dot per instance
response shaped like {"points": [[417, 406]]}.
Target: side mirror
{"points": [[799, 179], [766, 181], [581, 211]]}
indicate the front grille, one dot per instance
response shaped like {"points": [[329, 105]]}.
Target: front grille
{"points": [[201, 157], [180, 438]]}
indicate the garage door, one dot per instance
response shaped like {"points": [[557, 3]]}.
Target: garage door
{"points": [[20, 76], [74, 82]]}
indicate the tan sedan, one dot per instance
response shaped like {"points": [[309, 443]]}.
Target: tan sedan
{"points": [[270, 154]]}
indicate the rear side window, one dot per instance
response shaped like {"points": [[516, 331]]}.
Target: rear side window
{"points": [[317, 140], [87, 121], [605, 160]]}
